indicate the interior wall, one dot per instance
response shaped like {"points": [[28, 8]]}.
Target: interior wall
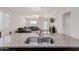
{"points": [[58, 22], [74, 22]]}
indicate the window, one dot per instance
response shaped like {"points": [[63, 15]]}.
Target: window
{"points": [[45, 25], [6, 22], [33, 23], [1, 20], [4, 28]]}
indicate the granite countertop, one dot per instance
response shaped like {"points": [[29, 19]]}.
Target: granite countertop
{"points": [[18, 39]]}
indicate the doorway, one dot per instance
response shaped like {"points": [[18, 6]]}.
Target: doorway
{"points": [[66, 23]]}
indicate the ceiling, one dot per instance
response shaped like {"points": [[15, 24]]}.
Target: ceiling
{"points": [[35, 10]]}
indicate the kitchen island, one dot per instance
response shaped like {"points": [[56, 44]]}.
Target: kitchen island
{"points": [[17, 41]]}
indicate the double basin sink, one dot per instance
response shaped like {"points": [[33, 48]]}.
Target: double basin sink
{"points": [[39, 40]]}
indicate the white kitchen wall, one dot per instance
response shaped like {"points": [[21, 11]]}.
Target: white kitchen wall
{"points": [[74, 22]]}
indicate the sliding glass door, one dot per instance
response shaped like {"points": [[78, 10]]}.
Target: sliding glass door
{"points": [[1, 28], [4, 29]]}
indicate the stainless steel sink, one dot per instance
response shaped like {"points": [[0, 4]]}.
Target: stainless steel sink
{"points": [[39, 40]]}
